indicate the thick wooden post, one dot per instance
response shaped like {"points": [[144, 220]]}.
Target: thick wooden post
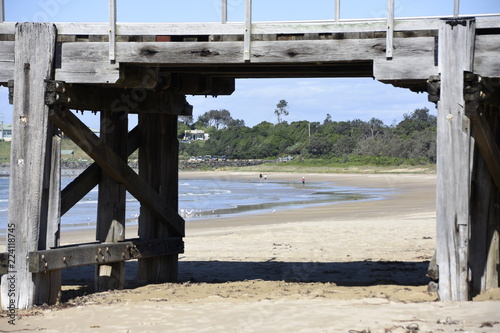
{"points": [[158, 165], [111, 201], [454, 159], [34, 178]]}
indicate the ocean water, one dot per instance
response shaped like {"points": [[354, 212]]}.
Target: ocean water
{"points": [[211, 198]]}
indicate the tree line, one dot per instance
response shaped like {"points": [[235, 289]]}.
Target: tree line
{"points": [[412, 140]]}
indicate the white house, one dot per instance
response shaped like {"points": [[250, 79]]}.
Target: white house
{"points": [[5, 132]]}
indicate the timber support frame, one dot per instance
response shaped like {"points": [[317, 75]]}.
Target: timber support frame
{"points": [[148, 69]]}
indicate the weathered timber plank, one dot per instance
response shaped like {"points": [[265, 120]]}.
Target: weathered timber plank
{"points": [[339, 50], [101, 253], [89, 178], [180, 53], [455, 151], [158, 166], [116, 167], [88, 72], [6, 61], [136, 100], [235, 28], [486, 59], [111, 201], [34, 53], [50, 226], [398, 68], [265, 51]]}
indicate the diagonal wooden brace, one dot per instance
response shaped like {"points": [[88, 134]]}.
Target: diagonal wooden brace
{"points": [[118, 169], [89, 178]]}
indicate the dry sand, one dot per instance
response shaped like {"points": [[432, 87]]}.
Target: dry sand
{"points": [[344, 267]]}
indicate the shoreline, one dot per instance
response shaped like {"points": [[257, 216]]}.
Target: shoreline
{"points": [[331, 268]]}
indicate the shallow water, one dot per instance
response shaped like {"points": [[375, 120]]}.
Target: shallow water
{"points": [[208, 198]]}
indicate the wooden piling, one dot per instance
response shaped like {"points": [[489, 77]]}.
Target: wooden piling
{"points": [[158, 162], [454, 156], [111, 201], [32, 197]]}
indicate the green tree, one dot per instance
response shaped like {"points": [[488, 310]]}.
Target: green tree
{"points": [[281, 110]]}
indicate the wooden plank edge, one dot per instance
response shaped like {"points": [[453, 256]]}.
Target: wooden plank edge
{"points": [[99, 253]]}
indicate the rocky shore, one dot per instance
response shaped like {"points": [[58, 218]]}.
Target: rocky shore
{"points": [[74, 168]]}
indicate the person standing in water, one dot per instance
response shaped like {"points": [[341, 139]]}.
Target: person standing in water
{"points": [[303, 181]]}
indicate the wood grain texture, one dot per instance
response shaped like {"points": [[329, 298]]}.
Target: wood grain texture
{"points": [[454, 160], [34, 53], [117, 168], [158, 161]]}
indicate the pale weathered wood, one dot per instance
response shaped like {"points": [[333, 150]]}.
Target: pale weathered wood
{"points": [[6, 61], [486, 59], [34, 53], [111, 201], [390, 29], [485, 214], [112, 30], [397, 68], [247, 36], [116, 168], [50, 228], [107, 253], [455, 150], [158, 161], [88, 72]]}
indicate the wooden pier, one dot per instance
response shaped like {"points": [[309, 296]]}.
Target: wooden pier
{"points": [[147, 69]]}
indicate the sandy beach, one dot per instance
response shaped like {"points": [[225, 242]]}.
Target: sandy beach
{"points": [[355, 266]]}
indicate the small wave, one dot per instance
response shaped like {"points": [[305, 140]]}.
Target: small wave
{"points": [[205, 194], [89, 202], [4, 209], [4, 200], [184, 184]]}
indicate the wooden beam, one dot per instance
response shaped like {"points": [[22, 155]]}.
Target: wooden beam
{"points": [[112, 31], [98, 98], [454, 160], [158, 166], [224, 12], [111, 201], [28, 198], [247, 39], [2, 11], [337, 11], [90, 177], [116, 168], [390, 29], [101, 253]]}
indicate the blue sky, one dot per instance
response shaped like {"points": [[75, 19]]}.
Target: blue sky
{"points": [[255, 100]]}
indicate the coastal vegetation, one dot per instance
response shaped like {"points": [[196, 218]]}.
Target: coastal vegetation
{"points": [[316, 146], [412, 141]]}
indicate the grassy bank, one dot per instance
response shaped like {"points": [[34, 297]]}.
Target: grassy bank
{"points": [[326, 168], [298, 166]]}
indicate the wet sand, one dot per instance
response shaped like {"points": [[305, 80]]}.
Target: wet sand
{"points": [[354, 266]]}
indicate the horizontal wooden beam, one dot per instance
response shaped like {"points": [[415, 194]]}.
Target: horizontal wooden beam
{"points": [[194, 28], [99, 98], [114, 166], [90, 177], [102, 253]]}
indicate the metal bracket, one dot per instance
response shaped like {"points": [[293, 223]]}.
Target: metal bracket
{"points": [[55, 93], [476, 90], [434, 88]]}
